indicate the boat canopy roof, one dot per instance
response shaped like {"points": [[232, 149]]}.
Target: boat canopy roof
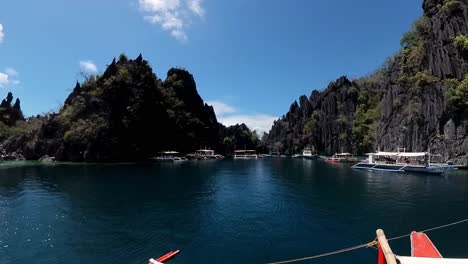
{"points": [[412, 154], [400, 154], [169, 152], [205, 150], [343, 154], [243, 151]]}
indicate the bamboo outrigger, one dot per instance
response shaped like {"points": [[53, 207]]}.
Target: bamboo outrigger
{"points": [[164, 258]]}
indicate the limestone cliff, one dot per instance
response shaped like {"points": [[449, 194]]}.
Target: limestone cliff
{"points": [[408, 102]]}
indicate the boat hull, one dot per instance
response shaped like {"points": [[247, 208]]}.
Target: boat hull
{"points": [[403, 168], [310, 157], [340, 160], [252, 157]]}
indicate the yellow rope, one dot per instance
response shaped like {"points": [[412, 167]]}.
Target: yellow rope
{"points": [[367, 245], [370, 244]]}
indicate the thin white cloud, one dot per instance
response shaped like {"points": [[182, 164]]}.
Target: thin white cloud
{"points": [[2, 34], [196, 7], [11, 72], [7, 78], [221, 108], [4, 80], [88, 67], [229, 115], [259, 122], [171, 15]]}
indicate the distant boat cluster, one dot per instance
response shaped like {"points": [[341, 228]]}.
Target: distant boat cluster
{"points": [[201, 154], [379, 161]]}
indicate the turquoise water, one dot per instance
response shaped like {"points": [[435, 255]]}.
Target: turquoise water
{"points": [[219, 212]]}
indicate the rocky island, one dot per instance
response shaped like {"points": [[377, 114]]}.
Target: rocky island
{"points": [[125, 114]]}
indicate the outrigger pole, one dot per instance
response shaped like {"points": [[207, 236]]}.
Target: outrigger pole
{"points": [[164, 258]]}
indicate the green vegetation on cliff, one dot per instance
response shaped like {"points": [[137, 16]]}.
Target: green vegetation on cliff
{"points": [[451, 5], [11, 117], [457, 94], [365, 122], [461, 41]]}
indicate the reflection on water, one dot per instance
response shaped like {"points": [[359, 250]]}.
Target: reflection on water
{"points": [[224, 212]]}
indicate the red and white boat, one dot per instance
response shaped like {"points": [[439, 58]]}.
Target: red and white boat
{"points": [[423, 251]]}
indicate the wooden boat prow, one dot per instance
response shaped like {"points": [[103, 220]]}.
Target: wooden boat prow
{"points": [[423, 251]]}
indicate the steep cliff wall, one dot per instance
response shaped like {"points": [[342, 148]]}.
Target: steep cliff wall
{"points": [[406, 103], [419, 120]]}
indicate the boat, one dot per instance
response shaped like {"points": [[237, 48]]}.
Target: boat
{"points": [[341, 157], [245, 154], [403, 162], [205, 154], [308, 153], [423, 251], [170, 156]]}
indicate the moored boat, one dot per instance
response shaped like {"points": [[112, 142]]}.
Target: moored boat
{"points": [[403, 162], [245, 154], [170, 156], [341, 157], [308, 153], [205, 154]]}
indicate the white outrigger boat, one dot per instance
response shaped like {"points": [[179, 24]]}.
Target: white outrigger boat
{"points": [[205, 154], [403, 162], [171, 156], [245, 154], [308, 153]]}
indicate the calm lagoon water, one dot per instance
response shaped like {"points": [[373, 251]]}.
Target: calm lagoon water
{"points": [[219, 212]]}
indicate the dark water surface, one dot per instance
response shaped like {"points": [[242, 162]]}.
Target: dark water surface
{"points": [[219, 212]]}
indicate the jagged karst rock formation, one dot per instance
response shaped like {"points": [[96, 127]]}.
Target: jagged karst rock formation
{"points": [[10, 114], [407, 103], [448, 19], [127, 114]]}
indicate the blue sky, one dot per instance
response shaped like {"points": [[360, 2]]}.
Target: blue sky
{"points": [[250, 58]]}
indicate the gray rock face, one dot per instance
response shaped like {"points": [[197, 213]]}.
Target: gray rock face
{"points": [[331, 111], [415, 119], [47, 159], [14, 156], [444, 58], [429, 125]]}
